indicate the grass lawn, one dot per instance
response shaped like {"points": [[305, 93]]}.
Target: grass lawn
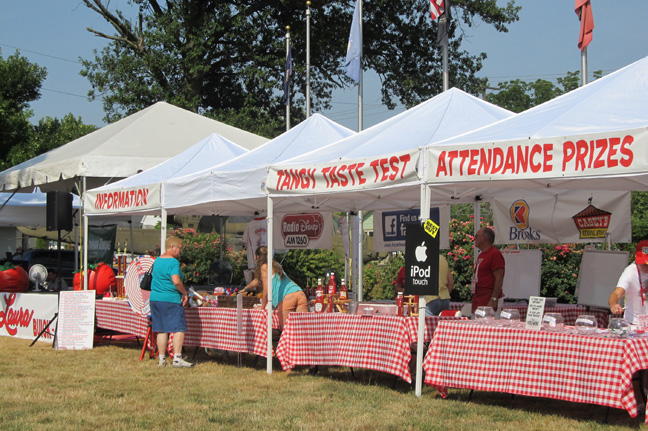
{"points": [[108, 388]]}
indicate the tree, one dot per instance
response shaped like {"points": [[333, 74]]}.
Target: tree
{"points": [[20, 83], [518, 95], [48, 134], [222, 58]]}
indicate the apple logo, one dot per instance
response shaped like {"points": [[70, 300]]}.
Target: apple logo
{"points": [[421, 252]]}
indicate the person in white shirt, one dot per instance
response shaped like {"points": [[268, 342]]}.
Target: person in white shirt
{"points": [[633, 285]]}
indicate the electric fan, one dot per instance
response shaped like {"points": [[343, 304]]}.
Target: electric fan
{"points": [[38, 274]]}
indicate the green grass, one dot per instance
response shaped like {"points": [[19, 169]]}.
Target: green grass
{"points": [[107, 388]]}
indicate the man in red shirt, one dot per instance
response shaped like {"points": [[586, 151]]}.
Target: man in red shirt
{"points": [[488, 273]]}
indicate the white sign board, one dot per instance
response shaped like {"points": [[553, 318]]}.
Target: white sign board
{"points": [[25, 315], [76, 320], [598, 275], [522, 273], [535, 313]]}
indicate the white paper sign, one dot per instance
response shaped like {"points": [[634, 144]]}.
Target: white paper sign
{"points": [[535, 313], [76, 320], [642, 322]]}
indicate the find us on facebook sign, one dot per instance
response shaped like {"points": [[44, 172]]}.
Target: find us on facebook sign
{"points": [[395, 222]]}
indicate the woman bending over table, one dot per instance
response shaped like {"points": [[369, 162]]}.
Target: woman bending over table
{"points": [[286, 295]]}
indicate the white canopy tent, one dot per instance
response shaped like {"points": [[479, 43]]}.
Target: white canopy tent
{"points": [[592, 138], [237, 187], [142, 193], [121, 149], [377, 168], [26, 209]]}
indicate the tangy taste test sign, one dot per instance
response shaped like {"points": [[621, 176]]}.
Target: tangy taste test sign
{"points": [[345, 174], [596, 154]]}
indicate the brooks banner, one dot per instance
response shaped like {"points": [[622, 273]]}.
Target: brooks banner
{"points": [[524, 217], [389, 170], [390, 227], [303, 230], [127, 199], [610, 153]]}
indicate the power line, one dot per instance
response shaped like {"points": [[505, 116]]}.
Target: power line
{"points": [[40, 53]]}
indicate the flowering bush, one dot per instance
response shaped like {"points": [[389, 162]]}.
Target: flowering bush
{"points": [[379, 279], [200, 250], [302, 265], [560, 266]]}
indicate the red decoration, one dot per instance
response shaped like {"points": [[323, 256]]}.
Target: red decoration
{"points": [[14, 280], [101, 278]]}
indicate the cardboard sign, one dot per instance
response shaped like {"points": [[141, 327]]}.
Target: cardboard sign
{"points": [[25, 315], [421, 261], [535, 313], [642, 322]]}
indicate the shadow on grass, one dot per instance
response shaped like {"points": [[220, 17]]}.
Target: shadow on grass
{"points": [[550, 407]]}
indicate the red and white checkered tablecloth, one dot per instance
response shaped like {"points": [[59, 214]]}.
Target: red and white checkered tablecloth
{"points": [[570, 312], [379, 343], [431, 323], [586, 369], [209, 327], [118, 316]]}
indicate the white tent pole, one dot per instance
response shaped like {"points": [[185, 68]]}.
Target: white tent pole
{"points": [[424, 215], [163, 222], [269, 281], [347, 252], [308, 95], [360, 254], [84, 269], [163, 230]]}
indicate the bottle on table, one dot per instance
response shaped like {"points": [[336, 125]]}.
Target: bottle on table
{"points": [[329, 306], [331, 286], [320, 288], [343, 290], [399, 304], [319, 301]]}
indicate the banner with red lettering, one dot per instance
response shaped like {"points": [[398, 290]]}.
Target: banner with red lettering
{"points": [[312, 230], [575, 216], [122, 200], [343, 175], [610, 153], [25, 315]]}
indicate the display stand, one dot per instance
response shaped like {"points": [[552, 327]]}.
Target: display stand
{"points": [[147, 339], [45, 329]]}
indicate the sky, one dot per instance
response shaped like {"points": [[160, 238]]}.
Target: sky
{"points": [[541, 45]]}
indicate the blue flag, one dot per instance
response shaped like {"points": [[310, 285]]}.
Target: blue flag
{"points": [[354, 50], [288, 73]]}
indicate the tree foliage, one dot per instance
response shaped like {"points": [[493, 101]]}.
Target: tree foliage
{"points": [[20, 140], [222, 58], [20, 83], [518, 95]]}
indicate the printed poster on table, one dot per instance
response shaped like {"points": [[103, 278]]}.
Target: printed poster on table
{"points": [[76, 320], [25, 315], [313, 230], [523, 217], [390, 227]]}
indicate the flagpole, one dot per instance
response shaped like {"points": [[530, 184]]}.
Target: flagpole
{"points": [[360, 82], [288, 89], [584, 66], [308, 97], [443, 20]]}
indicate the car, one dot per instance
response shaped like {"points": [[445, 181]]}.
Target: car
{"points": [[49, 259]]}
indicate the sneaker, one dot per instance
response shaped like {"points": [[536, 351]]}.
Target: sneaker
{"points": [[162, 363], [181, 363]]}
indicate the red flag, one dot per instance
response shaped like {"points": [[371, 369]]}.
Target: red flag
{"points": [[437, 7], [583, 9]]}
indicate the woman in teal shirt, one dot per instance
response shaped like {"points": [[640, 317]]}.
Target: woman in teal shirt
{"points": [[286, 295]]}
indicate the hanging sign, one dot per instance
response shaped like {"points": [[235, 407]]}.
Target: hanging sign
{"points": [[421, 261]]}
